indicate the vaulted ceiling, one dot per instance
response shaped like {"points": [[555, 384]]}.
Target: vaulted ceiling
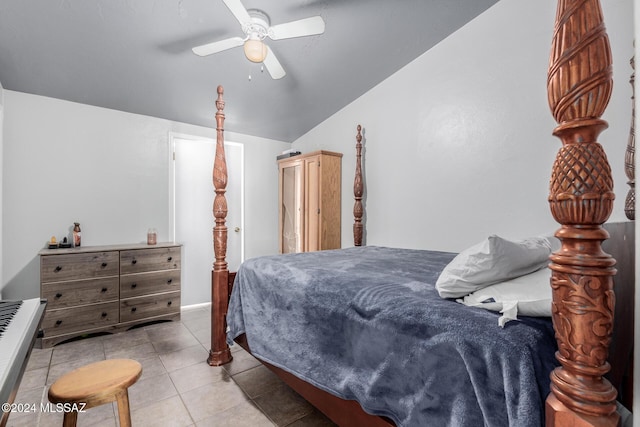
{"points": [[135, 56]]}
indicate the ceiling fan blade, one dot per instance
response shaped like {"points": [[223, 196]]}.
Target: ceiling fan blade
{"points": [[273, 65], [303, 27], [219, 46], [239, 11]]}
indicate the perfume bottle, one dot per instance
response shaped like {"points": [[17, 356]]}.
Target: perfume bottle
{"points": [[77, 234], [152, 236]]}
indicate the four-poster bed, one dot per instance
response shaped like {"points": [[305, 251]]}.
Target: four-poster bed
{"points": [[582, 274]]}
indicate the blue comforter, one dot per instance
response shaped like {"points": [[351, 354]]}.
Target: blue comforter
{"points": [[367, 324]]}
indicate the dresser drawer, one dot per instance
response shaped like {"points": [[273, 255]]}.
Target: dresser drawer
{"points": [[80, 292], [77, 319], [142, 260], [58, 268], [149, 306], [133, 285]]}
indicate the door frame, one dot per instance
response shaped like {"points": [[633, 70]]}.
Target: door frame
{"points": [[172, 180]]}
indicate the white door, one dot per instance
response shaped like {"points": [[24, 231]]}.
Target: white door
{"points": [[193, 212]]}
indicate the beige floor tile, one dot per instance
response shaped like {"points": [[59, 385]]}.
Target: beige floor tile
{"points": [[197, 375], [52, 416], [245, 414], [183, 358], [34, 378], [104, 423], [52, 419], [241, 362], [189, 314], [235, 348], [257, 381], [82, 349], [314, 419], [33, 395], [150, 390], [203, 336], [39, 358], [200, 322], [165, 330], [97, 415], [28, 401], [138, 351], [283, 406], [128, 338], [24, 420], [151, 366], [209, 400], [167, 412], [175, 343]]}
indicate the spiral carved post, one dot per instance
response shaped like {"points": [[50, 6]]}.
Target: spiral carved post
{"points": [[358, 191], [630, 154], [581, 199], [220, 352]]}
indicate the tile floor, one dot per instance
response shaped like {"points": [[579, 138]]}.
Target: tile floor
{"points": [[177, 387]]}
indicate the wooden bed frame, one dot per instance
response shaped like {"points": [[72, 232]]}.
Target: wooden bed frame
{"points": [[581, 200]]}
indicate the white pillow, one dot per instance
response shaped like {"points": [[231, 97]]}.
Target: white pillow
{"points": [[554, 241], [491, 261], [528, 295]]}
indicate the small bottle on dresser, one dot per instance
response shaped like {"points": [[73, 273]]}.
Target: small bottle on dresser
{"points": [[77, 234], [151, 236]]}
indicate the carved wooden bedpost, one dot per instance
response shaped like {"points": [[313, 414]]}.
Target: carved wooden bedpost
{"points": [[581, 199], [630, 154], [219, 353], [358, 191]]}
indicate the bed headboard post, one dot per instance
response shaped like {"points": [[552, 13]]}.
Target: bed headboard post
{"points": [[358, 191], [581, 199], [219, 353], [630, 154]]}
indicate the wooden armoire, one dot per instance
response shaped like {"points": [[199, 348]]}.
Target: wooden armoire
{"points": [[309, 213]]}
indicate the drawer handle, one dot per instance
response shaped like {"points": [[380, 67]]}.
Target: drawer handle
{"points": [[58, 322], [58, 295], [134, 261], [58, 268], [169, 281], [169, 303], [104, 314], [134, 285], [133, 309], [103, 290], [104, 264]]}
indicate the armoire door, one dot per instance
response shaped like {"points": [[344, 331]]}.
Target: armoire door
{"points": [[291, 208], [312, 204]]}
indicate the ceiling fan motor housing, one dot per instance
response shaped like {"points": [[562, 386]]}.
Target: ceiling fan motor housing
{"points": [[258, 28]]}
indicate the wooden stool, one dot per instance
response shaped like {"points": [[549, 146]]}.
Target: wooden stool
{"points": [[96, 384]]}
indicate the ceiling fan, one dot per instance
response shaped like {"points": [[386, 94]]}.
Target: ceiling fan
{"points": [[256, 26]]}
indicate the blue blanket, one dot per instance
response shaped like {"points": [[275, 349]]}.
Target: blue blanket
{"points": [[367, 324]]}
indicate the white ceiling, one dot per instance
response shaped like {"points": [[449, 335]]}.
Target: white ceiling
{"points": [[135, 56]]}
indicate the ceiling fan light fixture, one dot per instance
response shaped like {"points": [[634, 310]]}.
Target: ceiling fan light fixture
{"points": [[255, 50]]}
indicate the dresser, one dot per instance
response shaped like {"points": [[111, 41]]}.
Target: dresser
{"points": [[107, 288], [309, 200]]}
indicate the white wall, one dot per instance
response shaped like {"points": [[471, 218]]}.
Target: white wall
{"points": [[464, 131], [108, 170]]}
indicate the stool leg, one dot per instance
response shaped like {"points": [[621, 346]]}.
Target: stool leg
{"points": [[70, 419], [123, 408]]}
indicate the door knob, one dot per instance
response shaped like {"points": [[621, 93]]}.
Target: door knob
{"points": [[237, 229]]}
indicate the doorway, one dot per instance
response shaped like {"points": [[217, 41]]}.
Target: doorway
{"points": [[193, 195]]}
